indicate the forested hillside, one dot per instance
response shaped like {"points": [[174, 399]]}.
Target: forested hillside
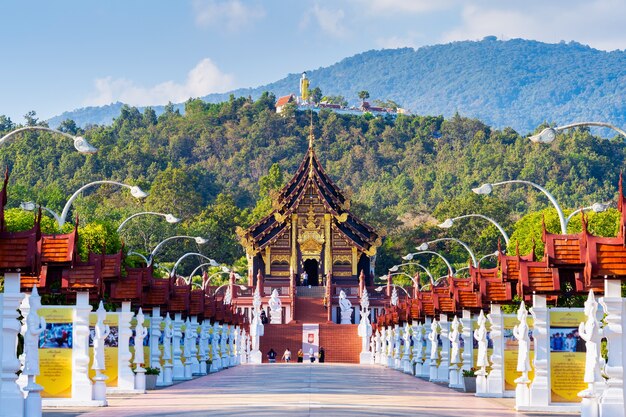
{"points": [[516, 83], [215, 166]]}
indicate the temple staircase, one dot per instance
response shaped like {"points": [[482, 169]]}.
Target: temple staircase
{"points": [[310, 305]]}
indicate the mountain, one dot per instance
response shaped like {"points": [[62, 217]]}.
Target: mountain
{"points": [[516, 83]]}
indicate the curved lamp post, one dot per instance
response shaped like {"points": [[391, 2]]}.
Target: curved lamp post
{"points": [[199, 240], [548, 134], [135, 191], [395, 268], [409, 257], [168, 218], [487, 188], [424, 246], [447, 223], [379, 289], [595, 207], [188, 254], [227, 271], [80, 143], [241, 287]]}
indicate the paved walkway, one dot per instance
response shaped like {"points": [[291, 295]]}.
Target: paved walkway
{"points": [[301, 390]]}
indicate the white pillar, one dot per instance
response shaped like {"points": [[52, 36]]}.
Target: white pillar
{"points": [[397, 346], [434, 348], [591, 333], [418, 347], [188, 349], [407, 365], [140, 333], [231, 346], [495, 379], [125, 375], [11, 397], [82, 388], [155, 335], [540, 387], [612, 399], [427, 349], [168, 333], [35, 326], [203, 349], [178, 373], [195, 363], [443, 370], [454, 336], [468, 340], [223, 346], [217, 359]]}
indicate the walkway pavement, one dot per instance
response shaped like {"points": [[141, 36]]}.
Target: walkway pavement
{"points": [[301, 390]]}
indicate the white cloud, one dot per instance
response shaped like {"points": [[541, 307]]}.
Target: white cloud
{"points": [[597, 23], [203, 79], [377, 7], [330, 21], [231, 14]]}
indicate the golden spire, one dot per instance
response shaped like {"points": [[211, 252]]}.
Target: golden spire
{"points": [[311, 137]]}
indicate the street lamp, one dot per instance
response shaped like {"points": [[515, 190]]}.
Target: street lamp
{"points": [[80, 143], [199, 240], [227, 271], [447, 223], [168, 218], [379, 289], [188, 254], [487, 188], [395, 268], [409, 257], [424, 246], [595, 207], [548, 134], [241, 287], [135, 191]]}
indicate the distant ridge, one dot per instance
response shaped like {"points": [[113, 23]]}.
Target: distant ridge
{"points": [[516, 83]]}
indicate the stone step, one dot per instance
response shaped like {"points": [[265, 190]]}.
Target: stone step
{"points": [[311, 292]]}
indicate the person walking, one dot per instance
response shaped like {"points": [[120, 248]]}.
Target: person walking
{"points": [[287, 355], [300, 356]]}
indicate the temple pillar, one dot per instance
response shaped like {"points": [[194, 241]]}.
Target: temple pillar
{"points": [[443, 370], [468, 341], [495, 379], [355, 261], [82, 388], [178, 372], [155, 334], [327, 244], [540, 387], [612, 398], [294, 243], [11, 396]]}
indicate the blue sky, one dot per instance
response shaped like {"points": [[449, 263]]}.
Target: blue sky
{"points": [[65, 54]]}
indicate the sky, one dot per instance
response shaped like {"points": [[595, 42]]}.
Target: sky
{"points": [[66, 54]]}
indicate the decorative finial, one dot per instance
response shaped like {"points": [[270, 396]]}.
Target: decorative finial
{"points": [[311, 137]]}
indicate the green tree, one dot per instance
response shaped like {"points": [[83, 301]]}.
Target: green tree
{"points": [[268, 184], [174, 190], [364, 95], [316, 95], [68, 126]]}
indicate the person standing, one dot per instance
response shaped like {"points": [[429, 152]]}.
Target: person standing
{"points": [[321, 355], [287, 355], [271, 356], [300, 356], [311, 354], [305, 279]]}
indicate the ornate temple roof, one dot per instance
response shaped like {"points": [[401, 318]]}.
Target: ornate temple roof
{"points": [[310, 173]]}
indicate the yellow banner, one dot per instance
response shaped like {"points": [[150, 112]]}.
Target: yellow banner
{"points": [[55, 352], [567, 370], [570, 318]]}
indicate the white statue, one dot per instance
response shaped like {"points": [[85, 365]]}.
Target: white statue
{"points": [[275, 308], [591, 334], [394, 297], [520, 332], [140, 333], [406, 337], [389, 341], [34, 327], [346, 308], [455, 357], [434, 342], [101, 333], [418, 345], [480, 335], [167, 339]]}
